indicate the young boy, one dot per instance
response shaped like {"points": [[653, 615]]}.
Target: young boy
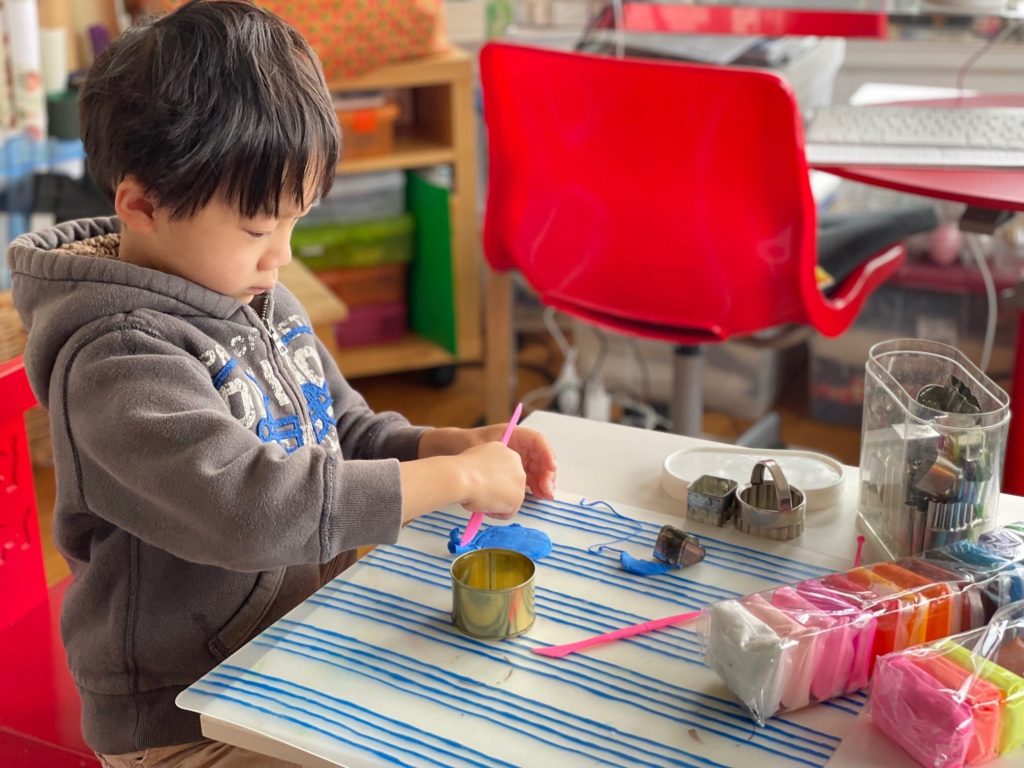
{"points": [[213, 466]]}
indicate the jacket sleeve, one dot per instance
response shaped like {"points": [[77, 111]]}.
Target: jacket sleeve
{"points": [[158, 454], [363, 433]]}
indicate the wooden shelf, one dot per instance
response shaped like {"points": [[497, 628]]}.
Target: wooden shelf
{"points": [[430, 70], [442, 131], [409, 353], [410, 152]]}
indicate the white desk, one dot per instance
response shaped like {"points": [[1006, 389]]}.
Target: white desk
{"points": [[369, 671]]}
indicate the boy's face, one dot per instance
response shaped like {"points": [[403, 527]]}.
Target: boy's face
{"points": [[221, 250]]}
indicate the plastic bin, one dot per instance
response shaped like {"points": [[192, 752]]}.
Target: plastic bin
{"points": [[373, 324], [923, 301], [386, 284], [367, 132], [369, 244], [930, 470], [360, 198]]}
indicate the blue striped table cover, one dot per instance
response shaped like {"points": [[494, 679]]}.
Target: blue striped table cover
{"points": [[370, 671]]}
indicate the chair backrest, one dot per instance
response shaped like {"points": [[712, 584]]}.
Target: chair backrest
{"points": [[663, 199]]}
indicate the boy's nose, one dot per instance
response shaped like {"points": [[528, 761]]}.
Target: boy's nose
{"points": [[278, 256]]}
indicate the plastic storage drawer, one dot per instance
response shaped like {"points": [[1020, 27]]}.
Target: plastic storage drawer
{"points": [[385, 284], [367, 132], [365, 197], [369, 244], [373, 324]]}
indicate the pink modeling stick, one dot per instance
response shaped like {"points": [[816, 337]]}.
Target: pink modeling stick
{"points": [[558, 651], [860, 552], [478, 517]]}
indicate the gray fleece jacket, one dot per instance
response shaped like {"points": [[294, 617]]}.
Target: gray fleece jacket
{"points": [[209, 456]]}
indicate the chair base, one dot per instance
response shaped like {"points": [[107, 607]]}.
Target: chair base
{"points": [[686, 409]]}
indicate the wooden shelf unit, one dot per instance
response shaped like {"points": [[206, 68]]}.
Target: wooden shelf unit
{"points": [[443, 131]]}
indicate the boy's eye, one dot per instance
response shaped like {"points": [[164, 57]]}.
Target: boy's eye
{"points": [[259, 235]]}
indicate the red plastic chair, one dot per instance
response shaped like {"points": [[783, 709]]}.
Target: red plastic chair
{"points": [[39, 706], [664, 200]]}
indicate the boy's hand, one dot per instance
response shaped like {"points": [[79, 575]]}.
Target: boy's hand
{"points": [[538, 460], [495, 481]]}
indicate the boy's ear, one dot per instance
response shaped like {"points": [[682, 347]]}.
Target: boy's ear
{"points": [[134, 206]]}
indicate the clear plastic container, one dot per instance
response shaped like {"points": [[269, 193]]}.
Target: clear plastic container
{"points": [[930, 472]]}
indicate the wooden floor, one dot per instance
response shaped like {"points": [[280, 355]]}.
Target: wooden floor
{"points": [[461, 405]]}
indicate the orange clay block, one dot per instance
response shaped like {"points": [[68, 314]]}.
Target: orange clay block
{"points": [[939, 596], [888, 611], [913, 613]]}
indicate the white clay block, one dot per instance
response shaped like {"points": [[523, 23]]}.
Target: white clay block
{"points": [[747, 654]]}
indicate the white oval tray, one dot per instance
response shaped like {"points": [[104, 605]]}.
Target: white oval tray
{"points": [[818, 476]]}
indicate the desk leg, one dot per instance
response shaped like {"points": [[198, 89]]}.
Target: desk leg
{"points": [[498, 372]]}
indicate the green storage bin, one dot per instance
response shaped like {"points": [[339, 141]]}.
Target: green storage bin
{"points": [[367, 244]]}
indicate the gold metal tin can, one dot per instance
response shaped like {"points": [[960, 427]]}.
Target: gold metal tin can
{"points": [[492, 593]]}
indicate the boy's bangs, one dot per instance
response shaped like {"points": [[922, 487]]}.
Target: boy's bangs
{"points": [[291, 162]]}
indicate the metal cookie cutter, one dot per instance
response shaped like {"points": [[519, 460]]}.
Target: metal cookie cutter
{"points": [[770, 509], [678, 548], [710, 500]]}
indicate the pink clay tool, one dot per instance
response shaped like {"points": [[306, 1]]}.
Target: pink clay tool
{"points": [[860, 552], [558, 651], [478, 517]]}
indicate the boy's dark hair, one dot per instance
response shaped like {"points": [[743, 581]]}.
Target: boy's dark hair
{"points": [[218, 95]]}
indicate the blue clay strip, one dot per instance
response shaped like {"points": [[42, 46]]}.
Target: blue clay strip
{"points": [[970, 553], [643, 567], [531, 542]]}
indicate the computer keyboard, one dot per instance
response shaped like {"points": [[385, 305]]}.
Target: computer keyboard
{"points": [[988, 137]]}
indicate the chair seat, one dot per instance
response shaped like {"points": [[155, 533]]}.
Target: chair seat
{"points": [[40, 711], [847, 240], [686, 335]]}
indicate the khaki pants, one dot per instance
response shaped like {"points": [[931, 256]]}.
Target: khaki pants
{"points": [[198, 754]]}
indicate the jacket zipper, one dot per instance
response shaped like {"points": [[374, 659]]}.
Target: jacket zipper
{"points": [[265, 317], [282, 370]]}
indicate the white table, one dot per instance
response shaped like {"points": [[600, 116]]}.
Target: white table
{"points": [[369, 671]]}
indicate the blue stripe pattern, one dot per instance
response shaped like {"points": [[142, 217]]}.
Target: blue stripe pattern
{"points": [[224, 372], [298, 330], [371, 670]]}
